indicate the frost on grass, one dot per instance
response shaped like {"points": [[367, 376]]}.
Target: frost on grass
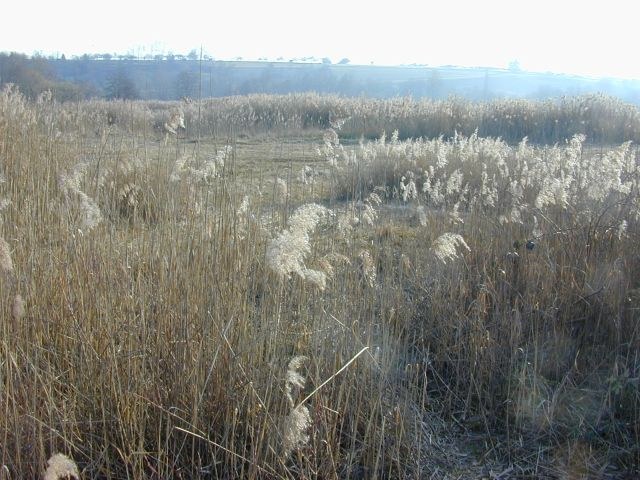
{"points": [[287, 252]]}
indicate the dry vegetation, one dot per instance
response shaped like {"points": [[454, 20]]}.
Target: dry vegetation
{"points": [[448, 307], [603, 119]]}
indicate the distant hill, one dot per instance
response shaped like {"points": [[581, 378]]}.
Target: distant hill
{"points": [[184, 76]]}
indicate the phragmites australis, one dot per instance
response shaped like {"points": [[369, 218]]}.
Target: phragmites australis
{"points": [[331, 149], [327, 262], [622, 229], [70, 185], [287, 252], [204, 172], [297, 422], [446, 247], [367, 268], [61, 467], [315, 277], [294, 428], [176, 122], [369, 213], [17, 308], [307, 175], [408, 187], [6, 264]]}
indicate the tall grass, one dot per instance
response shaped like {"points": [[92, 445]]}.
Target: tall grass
{"points": [[163, 317], [602, 119]]}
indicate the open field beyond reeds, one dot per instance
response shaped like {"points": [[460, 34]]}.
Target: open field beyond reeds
{"points": [[283, 291]]}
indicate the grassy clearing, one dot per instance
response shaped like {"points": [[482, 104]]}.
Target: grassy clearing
{"points": [[285, 306]]}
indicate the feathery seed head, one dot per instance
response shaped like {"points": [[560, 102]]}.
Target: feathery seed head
{"points": [[307, 175], [91, 215], [70, 185], [367, 268], [17, 308], [286, 253], [327, 262], [408, 189], [6, 264], [293, 378], [176, 121], [294, 429], [446, 246], [61, 467], [307, 217], [316, 277], [622, 229], [298, 421]]}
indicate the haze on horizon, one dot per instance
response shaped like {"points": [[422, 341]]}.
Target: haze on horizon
{"points": [[591, 39]]}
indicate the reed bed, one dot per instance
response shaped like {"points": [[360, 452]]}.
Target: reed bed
{"points": [[439, 307], [602, 119]]}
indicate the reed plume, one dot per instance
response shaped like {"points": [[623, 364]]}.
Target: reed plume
{"points": [[61, 467]]}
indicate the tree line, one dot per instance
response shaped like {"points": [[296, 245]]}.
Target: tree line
{"points": [[174, 76]]}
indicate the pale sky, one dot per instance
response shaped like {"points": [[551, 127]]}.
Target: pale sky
{"points": [[582, 37]]}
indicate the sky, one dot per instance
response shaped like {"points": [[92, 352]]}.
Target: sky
{"points": [[592, 38]]}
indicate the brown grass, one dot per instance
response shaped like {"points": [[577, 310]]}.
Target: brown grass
{"points": [[155, 341], [604, 120]]}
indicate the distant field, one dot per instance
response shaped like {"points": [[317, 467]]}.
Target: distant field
{"points": [[292, 287]]}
